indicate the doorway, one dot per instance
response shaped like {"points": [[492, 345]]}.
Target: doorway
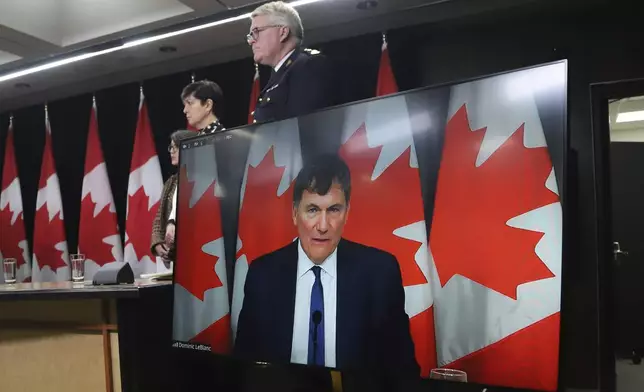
{"points": [[626, 122], [618, 126]]}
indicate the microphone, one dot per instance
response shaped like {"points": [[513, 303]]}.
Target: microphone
{"points": [[317, 319]]}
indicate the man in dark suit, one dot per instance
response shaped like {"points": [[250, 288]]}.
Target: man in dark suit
{"points": [[323, 300], [300, 82]]}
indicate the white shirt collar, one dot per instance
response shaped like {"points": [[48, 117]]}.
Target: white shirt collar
{"points": [[277, 67], [304, 264]]}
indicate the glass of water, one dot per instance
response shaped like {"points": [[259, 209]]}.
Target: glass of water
{"points": [[78, 267], [448, 375], [9, 267]]}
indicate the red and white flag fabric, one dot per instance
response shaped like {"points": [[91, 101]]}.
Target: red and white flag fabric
{"points": [[202, 307], [266, 200], [13, 242], [386, 81], [384, 163], [144, 194], [50, 258], [254, 96], [98, 235], [496, 238]]}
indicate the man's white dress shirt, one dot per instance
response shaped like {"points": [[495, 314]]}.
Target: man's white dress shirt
{"points": [[302, 316]]}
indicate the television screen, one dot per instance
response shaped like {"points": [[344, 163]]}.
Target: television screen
{"points": [[409, 232]]}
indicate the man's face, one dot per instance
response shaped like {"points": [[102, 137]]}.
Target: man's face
{"points": [[266, 41], [195, 110], [320, 221]]}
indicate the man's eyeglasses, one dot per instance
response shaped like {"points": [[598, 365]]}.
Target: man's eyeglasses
{"points": [[254, 33], [172, 147]]}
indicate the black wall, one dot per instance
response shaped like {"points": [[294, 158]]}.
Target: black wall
{"points": [[601, 43]]}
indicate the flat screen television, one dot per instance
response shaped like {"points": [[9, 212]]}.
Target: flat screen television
{"points": [[407, 232]]}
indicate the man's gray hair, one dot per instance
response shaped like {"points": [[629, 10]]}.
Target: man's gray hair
{"points": [[280, 13]]}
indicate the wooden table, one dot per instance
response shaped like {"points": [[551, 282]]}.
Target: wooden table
{"points": [[68, 337]]}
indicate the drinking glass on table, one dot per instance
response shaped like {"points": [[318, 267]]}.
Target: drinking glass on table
{"points": [[448, 375], [78, 267], [9, 267]]}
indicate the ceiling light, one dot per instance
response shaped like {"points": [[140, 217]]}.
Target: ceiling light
{"points": [[630, 116], [58, 63], [133, 43]]}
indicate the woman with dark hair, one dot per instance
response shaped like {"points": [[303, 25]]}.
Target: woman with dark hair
{"points": [[163, 227], [201, 101]]}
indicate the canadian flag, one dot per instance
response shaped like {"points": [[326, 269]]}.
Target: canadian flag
{"points": [[202, 307], [13, 242], [254, 96], [386, 81], [384, 163], [144, 193], [496, 237], [50, 259], [98, 235], [266, 200]]}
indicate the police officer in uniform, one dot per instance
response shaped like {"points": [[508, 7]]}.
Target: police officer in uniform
{"points": [[200, 101], [299, 82]]}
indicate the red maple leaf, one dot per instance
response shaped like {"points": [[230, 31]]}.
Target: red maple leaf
{"points": [[265, 222], [383, 197], [47, 234], [94, 229], [470, 235], [139, 224], [11, 236], [197, 226]]}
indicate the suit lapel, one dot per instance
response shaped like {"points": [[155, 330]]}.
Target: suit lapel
{"points": [[270, 83], [285, 297], [345, 306], [276, 77]]}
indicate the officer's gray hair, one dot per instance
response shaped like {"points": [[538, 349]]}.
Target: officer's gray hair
{"points": [[281, 13]]}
